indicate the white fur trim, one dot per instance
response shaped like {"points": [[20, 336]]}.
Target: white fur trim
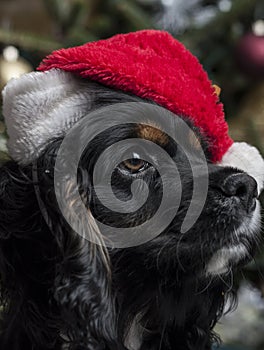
{"points": [[41, 106], [247, 158]]}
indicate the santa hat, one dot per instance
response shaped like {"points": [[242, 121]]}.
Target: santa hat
{"points": [[150, 64]]}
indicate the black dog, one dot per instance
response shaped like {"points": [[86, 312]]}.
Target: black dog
{"points": [[60, 291]]}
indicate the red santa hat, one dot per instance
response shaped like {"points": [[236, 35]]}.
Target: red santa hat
{"points": [[150, 64]]}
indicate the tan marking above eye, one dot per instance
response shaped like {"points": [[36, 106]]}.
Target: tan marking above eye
{"points": [[152, 133]]}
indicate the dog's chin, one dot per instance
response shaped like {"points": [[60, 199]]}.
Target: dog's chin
{"points": [[242, 246]]}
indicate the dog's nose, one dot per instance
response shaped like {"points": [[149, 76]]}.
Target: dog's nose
{"points": [[242, 186]]}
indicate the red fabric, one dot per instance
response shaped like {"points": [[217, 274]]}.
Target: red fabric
{"points": [[153, 65]]}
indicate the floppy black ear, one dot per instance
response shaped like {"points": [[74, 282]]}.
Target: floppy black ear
{"points": [[82, 284], [54, 284]]}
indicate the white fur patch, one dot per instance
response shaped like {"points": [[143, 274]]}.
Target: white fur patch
{"points": [[41, 106], [219, 263], [247, 158]]}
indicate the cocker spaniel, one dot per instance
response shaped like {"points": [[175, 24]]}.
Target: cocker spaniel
{"points": [[64, 290]]}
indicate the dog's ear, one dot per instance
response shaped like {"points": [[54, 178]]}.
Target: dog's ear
{"points": [[53, 280], [82, 280]]}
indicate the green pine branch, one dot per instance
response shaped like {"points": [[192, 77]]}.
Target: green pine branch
{"points": [[28, 41]]}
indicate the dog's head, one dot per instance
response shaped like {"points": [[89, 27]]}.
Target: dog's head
{"points": [[138, 227], [125, 159]]}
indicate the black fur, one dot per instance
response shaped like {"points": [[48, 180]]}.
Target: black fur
{"points": [[58, 288]]}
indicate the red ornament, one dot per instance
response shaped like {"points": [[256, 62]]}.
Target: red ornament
{"points": [[250, 55]]}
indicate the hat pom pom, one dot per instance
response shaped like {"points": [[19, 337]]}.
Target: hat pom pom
{"points": [[247, 158]]}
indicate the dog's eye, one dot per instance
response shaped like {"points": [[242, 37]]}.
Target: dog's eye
{"points": [[134, 164]]}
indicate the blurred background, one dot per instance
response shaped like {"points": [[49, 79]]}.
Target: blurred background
{"points": [[228, 38]]}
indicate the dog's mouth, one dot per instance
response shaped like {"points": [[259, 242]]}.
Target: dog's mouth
{"points": [[240, 249]]}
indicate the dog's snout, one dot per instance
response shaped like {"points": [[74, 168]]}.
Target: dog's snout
{"points": [[243, 187]]}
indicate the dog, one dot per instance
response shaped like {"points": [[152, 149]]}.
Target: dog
{"points": [[62, 291]]}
